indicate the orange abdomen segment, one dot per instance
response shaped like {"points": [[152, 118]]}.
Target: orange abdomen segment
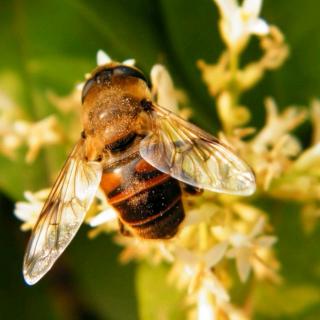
{"points": [[147, 200]]}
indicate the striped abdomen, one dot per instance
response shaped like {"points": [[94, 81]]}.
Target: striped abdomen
{"points": [[148, 201]]}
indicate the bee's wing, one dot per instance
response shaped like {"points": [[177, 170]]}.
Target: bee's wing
{"points": [[189, 154], [62, 214]]}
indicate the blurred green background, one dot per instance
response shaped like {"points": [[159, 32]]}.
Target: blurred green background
{"points": [[51, 45]]}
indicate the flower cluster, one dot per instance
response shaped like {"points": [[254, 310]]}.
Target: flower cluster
{"points": [[16, 131], [220, 231], [238, 23]]}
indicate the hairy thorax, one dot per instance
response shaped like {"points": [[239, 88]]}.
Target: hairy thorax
{"points": [[112, 112]]}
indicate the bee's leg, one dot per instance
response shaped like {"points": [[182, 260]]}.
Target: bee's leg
{"points": [[125, 232], [191, 190]]}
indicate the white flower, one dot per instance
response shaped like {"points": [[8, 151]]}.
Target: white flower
{"points": [[277, 125], [129, 62], [41, 133], [308, 160], [103, 58], [163, 88], [198, 268], [206, 309], [239, 22], [106, 212], [9, 139], [245, 247], [28, 211], [103, 217]]}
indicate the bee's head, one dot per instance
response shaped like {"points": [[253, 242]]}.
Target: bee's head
{"points": [[113, 74]]}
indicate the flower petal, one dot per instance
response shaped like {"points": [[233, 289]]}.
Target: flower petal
{"points": [[238, 240], [129, 62], [186, 256], [259, 27], [80, 86], [214, 255], [206, 310], [163, 88], [243, 263], [102, 58], [27, 212], [227, 7], [212, 283], [258, 228], [266, 241], [308, 158], [103, 217], [252, 6]]}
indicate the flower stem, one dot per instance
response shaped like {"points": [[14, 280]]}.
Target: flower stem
{"points": [[228, 101], [234, 87]]}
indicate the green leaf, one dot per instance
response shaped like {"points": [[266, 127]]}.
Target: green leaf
{"points": [[287, 301], [17, 300], [102, 282], [300, 264], [156, 298]]}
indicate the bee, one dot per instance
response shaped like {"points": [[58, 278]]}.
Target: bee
{"points": [[141, 155]]}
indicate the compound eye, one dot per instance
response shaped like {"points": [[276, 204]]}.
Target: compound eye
{"points": [[131, 72], [87, 88], [103, 76]]}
